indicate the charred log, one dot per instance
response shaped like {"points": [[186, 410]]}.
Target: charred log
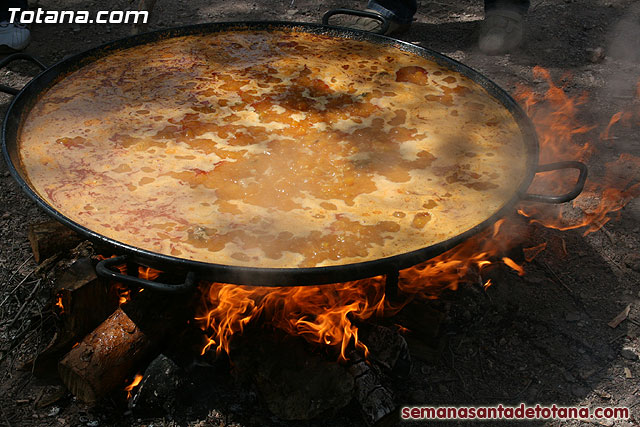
{"points": [[294, 383], [375, 400]]}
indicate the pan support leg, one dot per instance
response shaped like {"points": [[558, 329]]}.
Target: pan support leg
{"points": [[391, 285]]}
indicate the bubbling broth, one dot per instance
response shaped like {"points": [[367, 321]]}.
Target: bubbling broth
{"points": [[272, 149]]}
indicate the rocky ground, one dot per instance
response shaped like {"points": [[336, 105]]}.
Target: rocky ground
{"points": [[540, 338]]}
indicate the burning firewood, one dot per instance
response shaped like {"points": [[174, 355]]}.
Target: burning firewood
{"points": [[83, 299], [105, 358], [82, 302], [131, 337]]}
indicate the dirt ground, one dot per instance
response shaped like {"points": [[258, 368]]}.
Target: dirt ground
{"points": [[540, 338]]}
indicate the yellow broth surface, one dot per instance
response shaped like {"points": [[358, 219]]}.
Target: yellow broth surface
{"points": [[272, 149]]}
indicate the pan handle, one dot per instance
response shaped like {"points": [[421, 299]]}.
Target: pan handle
{"points": [[104, 270], [16, 56], [577, 189], [362, 13]]}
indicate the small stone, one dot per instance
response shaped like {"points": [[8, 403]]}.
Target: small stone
{"points": [[602, 394], [53, 411], [628, 354]]}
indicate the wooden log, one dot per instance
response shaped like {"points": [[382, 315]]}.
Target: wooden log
{"points": [[49, 238], [105, 357], [294, 382], [83, 301], [387, 348], [128, 340], [86, 299], [375, 400]]}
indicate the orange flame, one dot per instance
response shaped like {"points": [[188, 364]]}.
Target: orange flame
{"points": [[614, 119], [511, 263], [148, 273], [555, 115], [328, 315], [123, 292], [133, 385], [531, 253], [59, 303], [320, 314]]}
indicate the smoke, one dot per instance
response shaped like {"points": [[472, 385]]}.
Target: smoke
{"points": [[624, 47]]}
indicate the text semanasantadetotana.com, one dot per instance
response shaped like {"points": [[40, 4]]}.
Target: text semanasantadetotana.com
{"points": [[522, 412], [40, 16]]}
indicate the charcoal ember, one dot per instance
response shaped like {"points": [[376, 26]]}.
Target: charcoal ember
{"points": [[375, 400], [294, 383], [387, 348], [160, 391]]}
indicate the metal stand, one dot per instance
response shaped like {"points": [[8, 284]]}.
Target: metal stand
{"points": [[391, 285]]}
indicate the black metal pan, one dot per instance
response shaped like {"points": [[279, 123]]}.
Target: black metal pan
{"points": [[29, 95]]}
